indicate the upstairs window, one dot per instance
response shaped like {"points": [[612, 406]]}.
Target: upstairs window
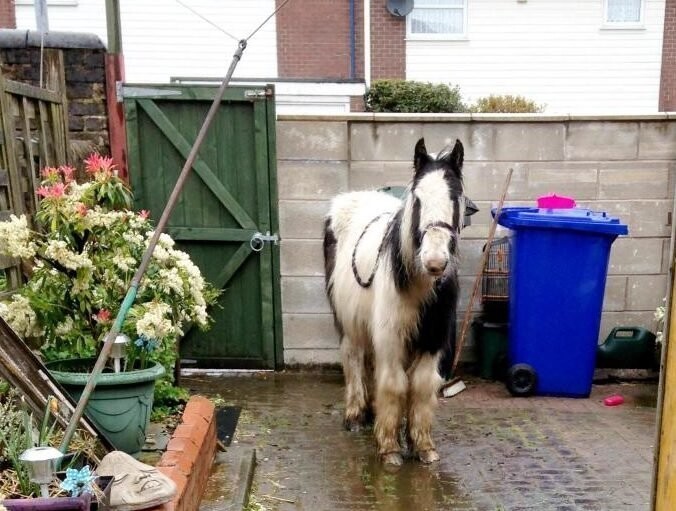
{"points": [[438, 19], [623, 13]]}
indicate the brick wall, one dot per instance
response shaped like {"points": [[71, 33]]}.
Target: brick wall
{"points": [[7, 14], [668, 80], [313, 41], [388, 45], [85, 85], [190, 455], [623, 166]]}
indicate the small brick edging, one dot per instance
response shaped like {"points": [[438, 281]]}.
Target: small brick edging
{"points": [[190, 455]]}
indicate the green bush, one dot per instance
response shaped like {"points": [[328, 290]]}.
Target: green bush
{"points": [[412, 97], [506, 104]]}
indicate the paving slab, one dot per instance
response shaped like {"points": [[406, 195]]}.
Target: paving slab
{"points": [[497, 452]]}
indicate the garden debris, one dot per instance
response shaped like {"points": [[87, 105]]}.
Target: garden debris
{"points": [[25, 372]]}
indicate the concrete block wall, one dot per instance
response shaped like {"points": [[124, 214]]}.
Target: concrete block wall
{"points": [[624, 165]]}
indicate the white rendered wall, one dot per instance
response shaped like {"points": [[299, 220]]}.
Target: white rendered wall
{"points": [[556, 52], [164, 39]]}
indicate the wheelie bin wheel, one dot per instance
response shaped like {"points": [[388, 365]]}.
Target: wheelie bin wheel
{"points": [[521, 380]]}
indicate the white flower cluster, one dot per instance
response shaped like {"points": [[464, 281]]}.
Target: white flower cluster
{"points": [[154, 324], [164, 248], [21, 317], [134, 239], [65, 327], [170, 280], [196, 282], [58, 251], [659, 317], [98, 217], [124, 263], [16, 238], [76, 191]]}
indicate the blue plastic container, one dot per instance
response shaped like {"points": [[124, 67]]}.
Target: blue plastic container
{"points": [[559, 262]]}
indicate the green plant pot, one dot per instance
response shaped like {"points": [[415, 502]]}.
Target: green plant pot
{"points": [[121, 402]]}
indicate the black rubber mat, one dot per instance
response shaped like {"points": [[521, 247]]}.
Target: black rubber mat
{"points": [[226, 422]]}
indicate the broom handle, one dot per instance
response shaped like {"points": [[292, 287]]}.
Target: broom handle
{"points": [[147, 256], [477, 281]]}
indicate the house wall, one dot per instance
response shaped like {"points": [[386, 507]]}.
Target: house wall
{"points": [[7, 14], [164, 39], [622, 165], [554, 52], [314, 43], [668, 83]]}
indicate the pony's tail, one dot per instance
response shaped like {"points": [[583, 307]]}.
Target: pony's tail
{"points": [[330, 247]]}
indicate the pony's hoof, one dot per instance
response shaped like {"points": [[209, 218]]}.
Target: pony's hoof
{"points": [[393, 459], [354, 425], [429, 456]]}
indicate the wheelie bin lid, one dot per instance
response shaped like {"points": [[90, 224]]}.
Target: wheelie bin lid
{"points": [[576, 219]]}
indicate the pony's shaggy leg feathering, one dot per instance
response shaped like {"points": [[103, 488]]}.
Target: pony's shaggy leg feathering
{"points": [[424, 380], [391, 389], [356, 393]]}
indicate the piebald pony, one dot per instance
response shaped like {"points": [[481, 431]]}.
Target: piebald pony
{"points": [[391, 278]]}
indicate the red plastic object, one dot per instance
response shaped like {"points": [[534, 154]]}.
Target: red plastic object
{"points": [[555, 202], [613, 400]]}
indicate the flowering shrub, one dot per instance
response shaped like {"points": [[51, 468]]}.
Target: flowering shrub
{"points": [[85, 249]]}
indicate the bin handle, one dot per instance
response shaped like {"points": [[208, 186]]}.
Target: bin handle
{"points": [[615, 332]]}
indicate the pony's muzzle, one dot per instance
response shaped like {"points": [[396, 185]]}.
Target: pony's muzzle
{"points": [[435, 267]]}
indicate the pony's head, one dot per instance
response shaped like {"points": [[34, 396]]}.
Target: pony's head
{"points": [[437, 206]]}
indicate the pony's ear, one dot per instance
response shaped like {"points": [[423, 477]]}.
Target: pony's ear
{"points": [[455, 158], [420, 156]]}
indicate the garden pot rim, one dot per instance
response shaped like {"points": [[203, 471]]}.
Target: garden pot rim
{"points": [[151, 373]]}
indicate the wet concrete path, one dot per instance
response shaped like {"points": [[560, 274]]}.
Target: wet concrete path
{"points": [[498, 452]]}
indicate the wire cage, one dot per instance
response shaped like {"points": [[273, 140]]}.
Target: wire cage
{"points": [[495, 278]]}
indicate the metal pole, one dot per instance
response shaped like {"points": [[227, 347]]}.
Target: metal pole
{"points": [[113, 26], [41, 17], [133, 288]]}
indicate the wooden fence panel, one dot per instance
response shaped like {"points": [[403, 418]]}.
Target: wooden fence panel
{"points": [[34, 124]]}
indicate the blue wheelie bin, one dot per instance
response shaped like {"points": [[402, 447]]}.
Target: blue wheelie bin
{"points": [[559, 262]]}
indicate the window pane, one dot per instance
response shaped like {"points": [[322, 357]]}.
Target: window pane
{"points": [[437, 21], [624, 11]]}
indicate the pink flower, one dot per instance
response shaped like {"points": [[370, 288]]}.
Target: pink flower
{"points": [[144, 213], [49, 172], [97, 163], [56, 191], [93, 163], [103, 316], [67, 172], [81, 209]]}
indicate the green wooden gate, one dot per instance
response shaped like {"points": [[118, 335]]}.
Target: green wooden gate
{"points": [[230, 196]]}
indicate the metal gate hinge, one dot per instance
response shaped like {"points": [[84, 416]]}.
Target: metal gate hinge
{"points": [[257, 93], [258, 240], [123, 91]]}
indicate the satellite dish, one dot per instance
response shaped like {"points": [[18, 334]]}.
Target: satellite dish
{"points": [[399, 7]]}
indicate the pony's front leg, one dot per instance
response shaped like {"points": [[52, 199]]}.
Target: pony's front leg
{"points": [[391, 386], [424, 381], [356, 409]]}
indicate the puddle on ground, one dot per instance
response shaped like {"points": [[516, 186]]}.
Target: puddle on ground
{"points": [[411, 487]]}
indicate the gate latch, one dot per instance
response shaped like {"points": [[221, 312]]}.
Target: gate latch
{"points": [[258, 240]]}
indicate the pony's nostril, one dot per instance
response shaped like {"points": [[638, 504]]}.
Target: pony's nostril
{"points": [[436, 267]]}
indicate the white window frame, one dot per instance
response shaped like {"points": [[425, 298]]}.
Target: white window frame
{"points": [[437, 37], [622, 25], [49, 2]]}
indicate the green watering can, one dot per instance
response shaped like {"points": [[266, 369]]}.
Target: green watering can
{"points": [[630, 347]]}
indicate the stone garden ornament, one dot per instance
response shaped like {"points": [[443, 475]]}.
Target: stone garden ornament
{"points": [[135, 485]]}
